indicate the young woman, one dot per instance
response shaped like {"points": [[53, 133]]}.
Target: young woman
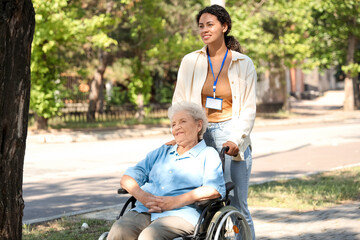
{"points": [[222, 80]]}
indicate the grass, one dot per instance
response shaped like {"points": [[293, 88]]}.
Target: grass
{"points": [[66, 228], [109, 124], [302, 194], [54, 124], [308, 193], [281, 114]]}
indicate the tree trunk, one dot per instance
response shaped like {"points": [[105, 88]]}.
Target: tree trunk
{"points": [[96, 96], [273, 88], [41, 123], [140, 114], [17, 23], [350, 90]]}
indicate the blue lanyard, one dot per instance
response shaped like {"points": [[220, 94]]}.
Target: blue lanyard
{"points": [[222, 64]]}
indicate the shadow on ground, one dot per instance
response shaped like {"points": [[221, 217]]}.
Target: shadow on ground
{"points": [[54, 197], [338, 222]]}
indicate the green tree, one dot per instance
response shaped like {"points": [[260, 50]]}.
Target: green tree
{"points": [[101, 54], [153, 37], [61, 32], [337, 32], [302, 33], [181, 37], [140, 27], [147, 21], [274, 34], [135, 28]]}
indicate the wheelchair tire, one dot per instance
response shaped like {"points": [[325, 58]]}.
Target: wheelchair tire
{"points": [[228, 223]]}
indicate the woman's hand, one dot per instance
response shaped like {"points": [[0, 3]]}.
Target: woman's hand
{"points": [[148, 199], [153, 207], [166, 203], [203, 193], [233, 148]]}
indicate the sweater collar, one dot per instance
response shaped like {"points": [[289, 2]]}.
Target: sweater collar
{"points": [[194, 151]]}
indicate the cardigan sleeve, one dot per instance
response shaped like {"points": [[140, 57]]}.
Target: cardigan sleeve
{"points": [[245, 121]]}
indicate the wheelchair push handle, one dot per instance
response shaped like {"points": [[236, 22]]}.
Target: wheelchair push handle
{"points": [[122, 191], [222, 156], [223, 151]]}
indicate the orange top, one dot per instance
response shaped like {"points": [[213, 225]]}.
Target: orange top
{"points": [[223, 91]]}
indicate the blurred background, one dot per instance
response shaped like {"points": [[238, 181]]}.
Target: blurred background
{"points": [[112, 61]]}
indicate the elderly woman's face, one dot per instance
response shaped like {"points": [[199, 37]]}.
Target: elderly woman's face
{"points": [[184, 128]]}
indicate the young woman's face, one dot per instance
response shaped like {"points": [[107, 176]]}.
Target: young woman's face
{"points": [[210, 28]]}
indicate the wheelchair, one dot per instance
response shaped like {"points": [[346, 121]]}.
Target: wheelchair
{"points": [[218, 220]]}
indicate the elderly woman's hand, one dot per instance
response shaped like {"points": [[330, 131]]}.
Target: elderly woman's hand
{"points": [[148, 199], [153, 207], [166, 203]]}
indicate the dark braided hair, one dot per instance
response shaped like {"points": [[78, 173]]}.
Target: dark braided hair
{"points": [[223, 16]]}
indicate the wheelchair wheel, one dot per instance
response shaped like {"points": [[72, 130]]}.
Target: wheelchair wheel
{"points": [[228, 223]]}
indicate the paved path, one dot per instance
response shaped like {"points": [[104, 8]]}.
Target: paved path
{"points": [[341, 222], [305, 160]]}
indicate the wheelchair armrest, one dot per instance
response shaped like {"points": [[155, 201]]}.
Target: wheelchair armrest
{"points": [[203, 204], [122, 191]]}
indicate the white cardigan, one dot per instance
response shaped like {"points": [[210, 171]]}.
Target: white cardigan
{"points": [[242, 76]]}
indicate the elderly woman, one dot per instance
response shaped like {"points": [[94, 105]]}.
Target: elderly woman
{"points": [[168, 182]]}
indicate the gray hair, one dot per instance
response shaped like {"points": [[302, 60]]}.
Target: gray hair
{"points": [[195, 111]]}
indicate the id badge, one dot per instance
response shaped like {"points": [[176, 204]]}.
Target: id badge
{"points": [[213, 103]]}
